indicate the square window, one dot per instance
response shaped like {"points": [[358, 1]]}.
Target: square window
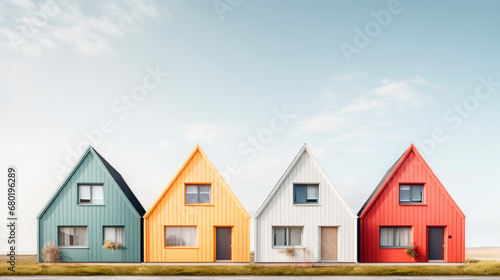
{"points": [[73, 236], [91, 194], [411, 194], [196, 194], [181, 236], [114, 234], [305, 194]]}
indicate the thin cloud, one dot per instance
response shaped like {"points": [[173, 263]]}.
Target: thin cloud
{"points": [[389, 97], [36, 28]]}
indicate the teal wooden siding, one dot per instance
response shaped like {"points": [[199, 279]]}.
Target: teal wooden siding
{"points": [[117, 210]]}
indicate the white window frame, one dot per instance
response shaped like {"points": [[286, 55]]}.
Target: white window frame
{"points": [[116, 234], [288, 236], [92, 186]]}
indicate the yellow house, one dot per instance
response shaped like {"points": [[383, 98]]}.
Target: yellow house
{"points": [[197, 218]]}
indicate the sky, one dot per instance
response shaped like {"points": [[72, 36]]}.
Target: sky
{"points": [[251, 82]]}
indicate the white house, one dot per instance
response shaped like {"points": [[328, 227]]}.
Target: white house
{"points": [[305, 219]]}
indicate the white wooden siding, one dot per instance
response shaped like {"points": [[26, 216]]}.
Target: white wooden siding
{"points": [[280, 211]]}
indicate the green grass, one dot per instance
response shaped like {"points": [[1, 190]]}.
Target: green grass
{"points": [[27, 265]]}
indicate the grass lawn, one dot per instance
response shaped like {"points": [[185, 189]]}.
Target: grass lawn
{"points": [[27, 265]]}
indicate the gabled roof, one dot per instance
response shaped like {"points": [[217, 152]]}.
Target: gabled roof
{"points": [[111, 171], [292, 165], [190, 157], [392, 171], [123, 185], [381, 183]]}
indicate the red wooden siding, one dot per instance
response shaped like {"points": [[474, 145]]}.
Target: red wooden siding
{"points": [[438, 209]]}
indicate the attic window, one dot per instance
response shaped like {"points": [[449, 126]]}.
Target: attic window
{"points": [[305, 194], [196, 194], [411, 194], [91, 194]]}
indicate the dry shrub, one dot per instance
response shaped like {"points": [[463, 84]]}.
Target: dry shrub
{"points": [[51, 252], [411, 250]]}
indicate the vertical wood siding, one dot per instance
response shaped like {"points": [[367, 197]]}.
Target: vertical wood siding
{"points": [[331, 211], [438, 210], [116, 211], [172, 211]]}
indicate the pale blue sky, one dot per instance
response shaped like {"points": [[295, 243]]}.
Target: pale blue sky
{"points": [[66, 67]]}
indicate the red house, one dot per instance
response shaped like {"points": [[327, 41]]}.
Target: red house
{"points": [[411, 206]]}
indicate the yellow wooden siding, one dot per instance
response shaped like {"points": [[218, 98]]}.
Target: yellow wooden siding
{"points": [[170, 210]]}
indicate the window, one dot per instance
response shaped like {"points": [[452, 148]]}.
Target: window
{"points": [[181, 236], [197, 194], [303, 194], [91, 194], [73, 236], [409, 194], [115, 234], [395, 237], [287, 236]]}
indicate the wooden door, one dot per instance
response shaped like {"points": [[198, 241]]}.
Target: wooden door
{"points": [[328, 243]]}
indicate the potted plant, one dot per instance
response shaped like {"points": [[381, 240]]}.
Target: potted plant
{"points": [[112, 245]]}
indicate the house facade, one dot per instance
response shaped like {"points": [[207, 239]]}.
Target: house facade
{"points": [[304, 218], [93, 207], [410, 206], [197, 218]]}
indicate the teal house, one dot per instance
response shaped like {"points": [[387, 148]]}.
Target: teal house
{"points": [[94, 216]]}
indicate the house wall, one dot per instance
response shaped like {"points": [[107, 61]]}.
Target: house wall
{"points": [[331, 211], [437, 210], [172, 211], [65, 211]]}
